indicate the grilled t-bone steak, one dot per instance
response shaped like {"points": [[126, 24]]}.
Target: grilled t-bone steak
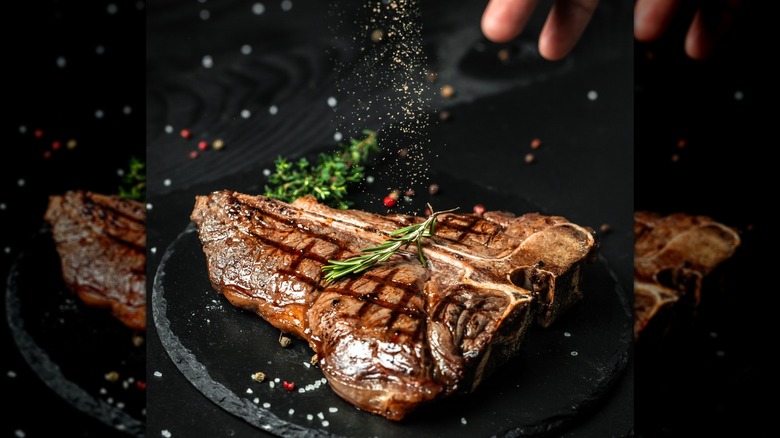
{"points": [[397, 335], [672, 254], [101, 241]]}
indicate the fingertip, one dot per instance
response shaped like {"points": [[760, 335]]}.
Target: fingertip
{"points": [[497, 29], [551, 51]]}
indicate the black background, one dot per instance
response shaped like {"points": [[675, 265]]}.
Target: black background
{"points": [[62, 102], [705, 374]]}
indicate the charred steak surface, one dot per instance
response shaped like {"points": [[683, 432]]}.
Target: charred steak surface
{"points": [[101, 242], [398, 335]]}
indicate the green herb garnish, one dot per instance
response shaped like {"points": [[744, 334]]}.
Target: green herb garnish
{"points": [[399, 238], [133, 185], [328, 179]]}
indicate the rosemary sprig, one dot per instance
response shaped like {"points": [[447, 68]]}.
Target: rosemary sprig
{"points": [[133, 184], [328, 179], [402, 237]]}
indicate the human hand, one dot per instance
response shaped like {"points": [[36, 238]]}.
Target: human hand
{"points": [[652, 19], [505, 19]]}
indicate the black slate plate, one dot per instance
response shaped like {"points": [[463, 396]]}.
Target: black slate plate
{"points": [[70, 346], [563, 371]]}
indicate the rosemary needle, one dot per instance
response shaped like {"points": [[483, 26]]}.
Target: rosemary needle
{"points": [[402, 237]]}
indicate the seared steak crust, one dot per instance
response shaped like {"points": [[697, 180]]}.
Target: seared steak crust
{"points": [[398, 335], [101, 241]]}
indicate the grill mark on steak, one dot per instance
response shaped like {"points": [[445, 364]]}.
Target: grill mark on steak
{"points": [[463, 229], [398, 335]]}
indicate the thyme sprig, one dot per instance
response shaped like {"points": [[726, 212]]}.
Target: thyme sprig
{"points": [[133, 184], [400, 238], [328, 179]]}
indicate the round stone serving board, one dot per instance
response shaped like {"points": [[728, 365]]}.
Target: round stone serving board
{"points": [[562, 372]]}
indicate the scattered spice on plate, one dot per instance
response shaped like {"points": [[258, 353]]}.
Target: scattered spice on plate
{"points": [[218, 144], [529, 158], [258, 376], [112, 376], [535, 143], [447, 91], [288, 385], [433, 189], [444, 116], [185, 133], [284, 340], [479, 209]]}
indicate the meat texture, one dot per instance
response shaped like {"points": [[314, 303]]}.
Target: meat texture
{"points": [[398, 335], [672, 254], [101, 242]]}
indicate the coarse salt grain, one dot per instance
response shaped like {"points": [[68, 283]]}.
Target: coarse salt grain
{"points": [[738, 95], [277, 380], [320, 415], [273, 109], [246, 49], [325, 423], [127, 110], [463, 420], [157, 374], [168, 129], [99, 114], [309, 417], [332, 102], [574, 353], [204, 14], [333, 410], [567, 334], [148, 206], [266, 405], [291, 411], [266, 172], [337, 136], [286, 5], [61, 62], [301, 390], [167, 182], [19, 433], [271, 384], [245, 113], [593, 95], [165, 433], [258, 8], [307, 364], [207, 61], [249, 390], [103, 391], [112, 9]]}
